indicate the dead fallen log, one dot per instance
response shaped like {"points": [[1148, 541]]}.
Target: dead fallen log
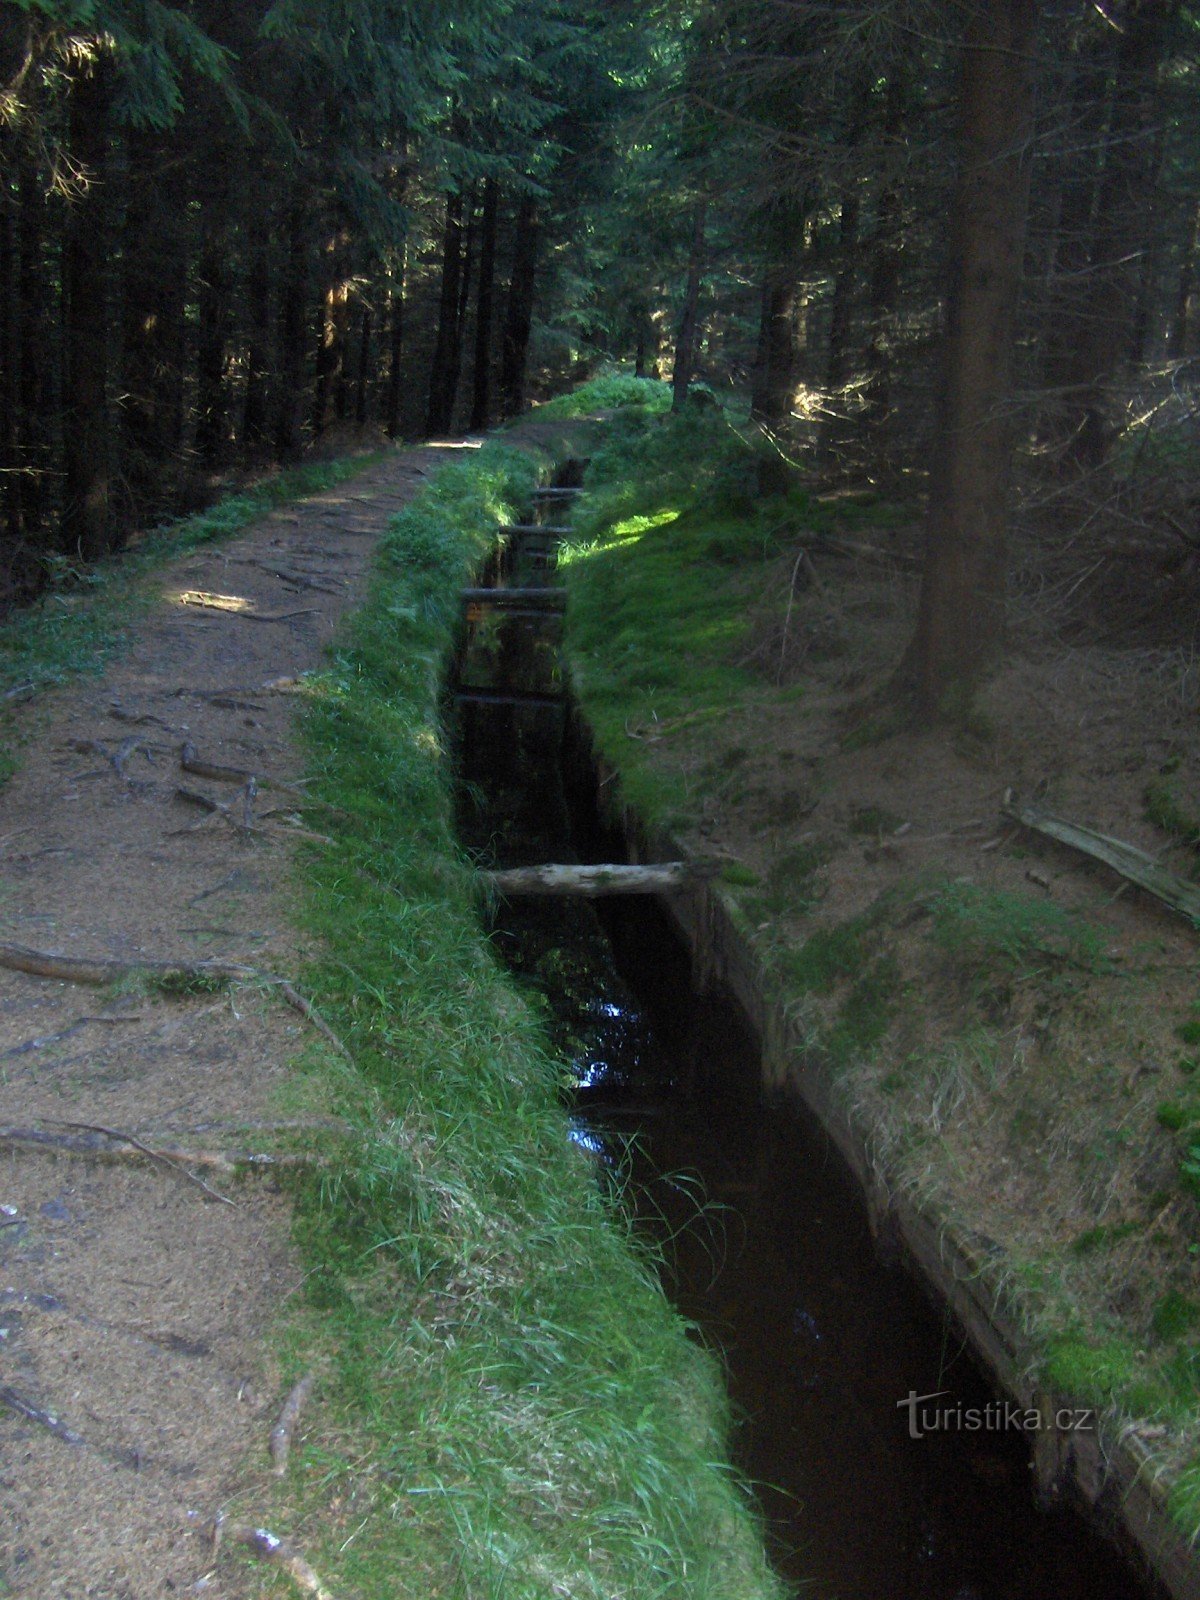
{"points": [[1135, 865], [98, 969], [538, 530], [517, 599], [663, 877], [284, 1430], [233, 605]]}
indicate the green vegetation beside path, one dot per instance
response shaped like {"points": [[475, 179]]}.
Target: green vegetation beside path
{"points": [[506, 1404], [1014, 1044]]}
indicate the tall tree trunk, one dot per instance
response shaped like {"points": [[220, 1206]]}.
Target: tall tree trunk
{"points": [[293, 330], [87, 445], [154, 257], [776, 374], [396, 347], [362, 396], [260, 355], [518, 313], [1179, 343], [33, 428], [837, 369], [212, 300], [330, 399], [443, 377], [1110, 286], [882, 295], [961, 613], [10, 378], [689, 321], [481, 398]]}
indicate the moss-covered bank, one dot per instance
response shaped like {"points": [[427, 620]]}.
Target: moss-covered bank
{"points": [[507, 1405], [1012, 1044]]}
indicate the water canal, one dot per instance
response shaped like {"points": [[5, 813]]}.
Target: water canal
{"points": [[763, 1235]]}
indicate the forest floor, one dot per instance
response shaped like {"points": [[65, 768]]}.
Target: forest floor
{"points": [[133, 1304], [1011, 1029]]}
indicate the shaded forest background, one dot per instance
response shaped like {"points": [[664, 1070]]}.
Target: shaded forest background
{"points": [[231, 233]]}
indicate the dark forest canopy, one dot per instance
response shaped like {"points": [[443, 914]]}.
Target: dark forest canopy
{"points": [[231, 230]]}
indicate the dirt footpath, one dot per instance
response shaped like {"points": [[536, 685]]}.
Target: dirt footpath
{"points": [[133, 1304]]}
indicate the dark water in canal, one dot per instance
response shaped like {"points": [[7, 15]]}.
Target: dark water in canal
{"points": [[764, 1237]]}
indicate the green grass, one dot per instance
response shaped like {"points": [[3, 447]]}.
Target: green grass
{"points": [[999, 938], [609, 392], [508, 1404]]}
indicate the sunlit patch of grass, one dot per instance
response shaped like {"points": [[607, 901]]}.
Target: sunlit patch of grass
{"points": [[609, 392], [509, 1405]]}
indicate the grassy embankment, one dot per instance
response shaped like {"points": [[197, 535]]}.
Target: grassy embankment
{"points": [[1024, 1065], [507, 1405]]}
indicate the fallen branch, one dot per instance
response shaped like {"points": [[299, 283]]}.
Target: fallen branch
{"points": [[305, 1007], [44, 1419], [1126, 859], [266, 1543], [235, 606], [666, 877], [149, 1153], [98, 969], [284, 1430], [227, 1163]]}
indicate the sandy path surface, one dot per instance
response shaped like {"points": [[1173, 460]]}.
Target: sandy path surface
{"points": [[132, 1305]]}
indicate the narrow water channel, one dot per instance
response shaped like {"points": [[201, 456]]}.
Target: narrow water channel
{"points": [[763, 1236]]}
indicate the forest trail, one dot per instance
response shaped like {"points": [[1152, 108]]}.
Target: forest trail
{"points": [[133, 1305]]}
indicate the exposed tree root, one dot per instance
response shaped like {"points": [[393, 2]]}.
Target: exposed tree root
{"points": [[12, 1401], [151, 1154], [265, 1543], [97, 969], [191, 761], [35, 1140], [284, 1430]]}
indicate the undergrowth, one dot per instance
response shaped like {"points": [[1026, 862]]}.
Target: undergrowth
{"points": [[1009, 1063], [508, 1404], [609, 392]]}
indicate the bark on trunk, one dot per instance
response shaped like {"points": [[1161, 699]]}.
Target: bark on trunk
{"points": [[685, 344], [838, 367], [34, 429], [518, 317], [961, 612], [212, 298], [481, 399], [779, 348], [1109, 299], [260, 356], [152, 331], [87, 522], [443, 377], [9, 375], [293, 343], [330, 398], [1179, 341], [396, 348], [362, 399]]}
